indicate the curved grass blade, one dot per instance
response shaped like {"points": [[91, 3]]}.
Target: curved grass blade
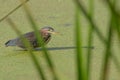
{"points": [[13, 11], [112, 8], [29, 48], [102, 38], [96, 29], [40, 41], [108, 52], [116, 16], [115, 22]]}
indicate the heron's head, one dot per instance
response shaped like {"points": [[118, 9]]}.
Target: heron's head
{"points": [[48, 30]]}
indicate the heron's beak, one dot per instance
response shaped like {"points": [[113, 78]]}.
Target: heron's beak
{"points": [[52, 32]]}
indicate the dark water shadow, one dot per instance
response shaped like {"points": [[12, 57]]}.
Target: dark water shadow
{"points": [[55, 48], [59, 48], [22, 51]]}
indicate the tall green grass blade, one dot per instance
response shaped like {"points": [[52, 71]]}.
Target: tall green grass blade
{"points": [[79, 57], [116, 16], [29, 48], [90, 38], [106, 60], [13, 11], [40, 41], [102, 38], [113, 24], [113, 9], [107, 54], [116, 27]]}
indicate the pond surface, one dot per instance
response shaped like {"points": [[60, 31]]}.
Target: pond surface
{"points": [[16, 64]]}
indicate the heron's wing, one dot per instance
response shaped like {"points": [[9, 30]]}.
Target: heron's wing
{"points": [[32, 39], [30, 36]]}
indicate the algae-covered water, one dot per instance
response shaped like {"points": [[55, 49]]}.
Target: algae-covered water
{"points": [[16, 64]]}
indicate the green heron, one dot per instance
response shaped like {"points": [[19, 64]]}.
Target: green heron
{"points": [[30, 36]]}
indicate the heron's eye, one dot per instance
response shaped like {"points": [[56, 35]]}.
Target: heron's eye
{"points": [[50, 30]]}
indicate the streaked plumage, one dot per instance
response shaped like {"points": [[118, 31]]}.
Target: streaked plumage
{"points": [[30, 36]]}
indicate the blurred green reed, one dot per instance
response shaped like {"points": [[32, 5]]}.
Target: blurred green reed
{"points": [[108, 50], [83, 71], [115, 23], [40, 41], [106, 41], [29, 48], [13, 10], [39, 38], [107, 55], [90, 38], [90, 20], [115, 14]]}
